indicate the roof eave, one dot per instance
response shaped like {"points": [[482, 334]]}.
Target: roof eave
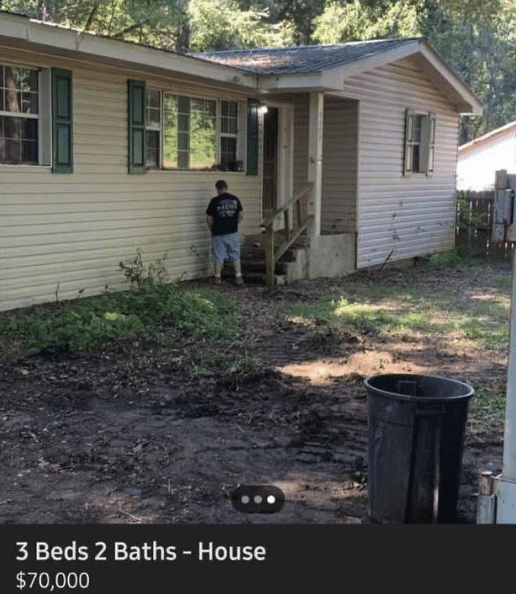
{"points": [[20, 31], [466, 101], [432, 64], [329, 80]]}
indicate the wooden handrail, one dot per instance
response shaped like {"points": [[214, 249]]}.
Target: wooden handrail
{"points": [[270, 218], [272, 255]]}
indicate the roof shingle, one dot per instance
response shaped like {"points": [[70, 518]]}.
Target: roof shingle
{"points": [[301, 59]]}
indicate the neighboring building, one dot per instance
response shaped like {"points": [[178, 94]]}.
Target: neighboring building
{"points": [[108, 146], [480, 159]]}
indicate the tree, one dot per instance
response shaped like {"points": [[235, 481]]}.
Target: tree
{"points": [[476, 37], [158, 22], [354, 21], [298, 15], [221, 24]]}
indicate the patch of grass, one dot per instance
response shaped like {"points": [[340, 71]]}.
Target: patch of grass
{"points": [[82, 324], [407, 308], [447, 259], [486, 411]]}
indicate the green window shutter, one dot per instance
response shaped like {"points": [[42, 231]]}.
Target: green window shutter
{"points": [[252, 137], [136, 125], [62, 138]]}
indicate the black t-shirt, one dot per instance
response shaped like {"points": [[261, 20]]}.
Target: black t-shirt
{"points": [[224, 209]]}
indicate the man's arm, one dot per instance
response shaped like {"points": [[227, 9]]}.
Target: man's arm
{"points": [[209, 222]]}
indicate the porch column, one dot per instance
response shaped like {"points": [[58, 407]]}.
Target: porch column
{"points": [[315, 159]]}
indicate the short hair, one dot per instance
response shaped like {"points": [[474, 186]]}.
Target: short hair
{"points": [[221, 185]]}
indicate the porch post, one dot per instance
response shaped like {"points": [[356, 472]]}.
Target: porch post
{"points": [[315, 159]]}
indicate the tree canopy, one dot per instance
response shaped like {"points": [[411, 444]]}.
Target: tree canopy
{"points": [[476, 37]]}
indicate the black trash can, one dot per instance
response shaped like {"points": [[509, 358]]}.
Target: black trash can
{"points": [[416, 427]]}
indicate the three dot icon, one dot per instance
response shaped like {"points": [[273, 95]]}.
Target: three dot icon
{"points": [[258, 499]]}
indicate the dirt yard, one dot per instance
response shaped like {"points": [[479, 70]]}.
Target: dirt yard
{"points": [[130, 434]]}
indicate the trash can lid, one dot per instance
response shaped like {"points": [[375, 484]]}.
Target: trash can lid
{"points": [[408, 386]]}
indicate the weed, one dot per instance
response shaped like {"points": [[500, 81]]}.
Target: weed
{"points": [[139, 274], [449, 259], [80, 325]]}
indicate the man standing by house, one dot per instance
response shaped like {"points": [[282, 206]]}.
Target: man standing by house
{"points": [[223, 215]]}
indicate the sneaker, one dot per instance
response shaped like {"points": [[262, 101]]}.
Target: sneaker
{"points": [[217, 280], [239, 281]]}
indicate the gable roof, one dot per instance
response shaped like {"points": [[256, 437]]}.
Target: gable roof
{"points": [[325, 67], [484, 141], [301, 59], [298, 68]]}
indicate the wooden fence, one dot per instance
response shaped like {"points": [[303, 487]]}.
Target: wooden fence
{"points": [[474, 224]]}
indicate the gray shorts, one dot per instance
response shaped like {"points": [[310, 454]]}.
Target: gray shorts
{"points": [[225, 247]]}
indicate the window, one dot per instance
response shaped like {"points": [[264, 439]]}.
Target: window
{"points": [[19, 115], [153, 128], [190, 133], [228, 132], [36, 117], [419, 143]]}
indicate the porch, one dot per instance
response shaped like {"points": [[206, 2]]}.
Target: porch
{"points": [[309, 190]]}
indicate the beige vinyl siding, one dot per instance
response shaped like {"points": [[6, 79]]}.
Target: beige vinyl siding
{"points": [[339, 184], [62, 234], [401, 216], [338, 202]]}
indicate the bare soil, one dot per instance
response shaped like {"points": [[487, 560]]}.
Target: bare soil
{"points": [[130, 434]]}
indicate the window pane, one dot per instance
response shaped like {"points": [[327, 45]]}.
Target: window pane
{"points": [[153, 96], [153, 118], [229, 108], [170, 103], [197, 105], [29, 129], [170, 151], [170, 109], [416, 129], [227, 151], [13, 127], [18, 134], [29, 103], [415, 158], [152, 160], [211, 108], [203, 138], [30, 152]]}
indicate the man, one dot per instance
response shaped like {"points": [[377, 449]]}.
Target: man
{"points": [[223, 215]]}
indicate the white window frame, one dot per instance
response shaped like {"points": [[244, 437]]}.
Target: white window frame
{"points": [[43, 117], [240, 136], [425, 144]]}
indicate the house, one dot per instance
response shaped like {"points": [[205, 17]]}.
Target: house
{"points": [[108, 147], [480, 159]]}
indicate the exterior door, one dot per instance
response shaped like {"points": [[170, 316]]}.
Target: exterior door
{"points": [[270, 159]]}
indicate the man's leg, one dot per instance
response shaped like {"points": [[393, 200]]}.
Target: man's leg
{"points": [[233, 246], [218, 258]]}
